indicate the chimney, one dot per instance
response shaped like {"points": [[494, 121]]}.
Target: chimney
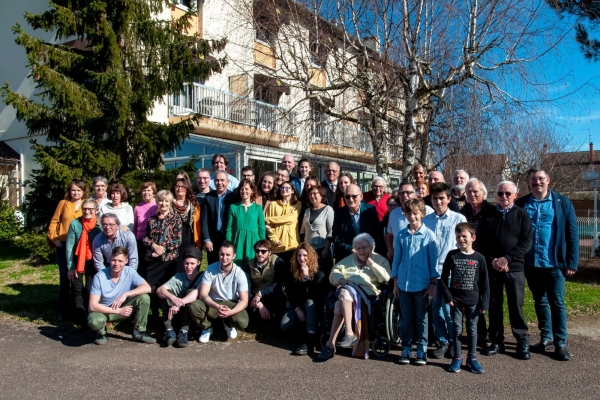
{"points": [[591, 153]]}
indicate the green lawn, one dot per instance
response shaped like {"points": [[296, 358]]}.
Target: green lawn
{"points": [[30, 292]]}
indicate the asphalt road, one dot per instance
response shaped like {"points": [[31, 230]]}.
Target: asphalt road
{"points": [[44, 362]]}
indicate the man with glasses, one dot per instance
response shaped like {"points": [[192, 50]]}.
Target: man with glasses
{"points": [[220, 163], [377, 197], [110, 238], [553, 257], [397, 221], [505, 237], [248, 173], [330, 183], [354, 218], [202, 181], [215, 209], [266, 275]]}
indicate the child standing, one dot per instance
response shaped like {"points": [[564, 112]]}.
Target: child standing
{"points": [[415, 275], [468, 293]]}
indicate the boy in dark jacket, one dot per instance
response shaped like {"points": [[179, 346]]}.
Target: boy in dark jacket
{"points": [[468, 294]]}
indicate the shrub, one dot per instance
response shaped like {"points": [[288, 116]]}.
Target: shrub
{"points": [[10, 226], [37, 246]]}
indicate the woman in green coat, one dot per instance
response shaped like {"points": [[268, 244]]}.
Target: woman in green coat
{"points": [[246, 224]]}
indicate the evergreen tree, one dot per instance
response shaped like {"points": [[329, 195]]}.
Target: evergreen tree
{"points": [[94, 95], [586, 10]]}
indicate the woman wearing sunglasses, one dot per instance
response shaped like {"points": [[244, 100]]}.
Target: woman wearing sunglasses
{"points": [[282, 222]]}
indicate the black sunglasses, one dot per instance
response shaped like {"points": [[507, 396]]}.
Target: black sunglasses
{"points": [[353, 196], [261, 251], [501, 194]]}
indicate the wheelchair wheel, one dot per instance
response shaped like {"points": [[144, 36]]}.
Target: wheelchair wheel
{"points": [[323, 339], [381, 346], [392, 319]]}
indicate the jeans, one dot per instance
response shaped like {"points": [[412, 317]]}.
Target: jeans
{"points": [[202, 314], [141, 305], [442, 318], [515, 294], [64, 287], [471, 314], [547, 286], [414, 319], [290, 318]]}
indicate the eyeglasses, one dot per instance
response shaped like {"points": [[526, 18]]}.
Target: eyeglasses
{"points": [[282, 176], [88, 209], [538, 178], [406, 193], [502, 194], [351, 196], [204, 178], [109, 225], [247, 176], [329, 171], [378, 187], [262, 251], [285, 188]]}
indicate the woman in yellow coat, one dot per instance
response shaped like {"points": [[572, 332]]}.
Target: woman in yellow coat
{"points": [[281, 218]]}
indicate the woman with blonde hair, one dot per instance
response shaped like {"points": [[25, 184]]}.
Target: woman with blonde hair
{"points": [[305, 293]]}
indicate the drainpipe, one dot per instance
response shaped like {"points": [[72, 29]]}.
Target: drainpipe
{"points": [[22, 173]]}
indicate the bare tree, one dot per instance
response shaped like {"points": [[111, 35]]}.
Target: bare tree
{"points": [[387, 66]]}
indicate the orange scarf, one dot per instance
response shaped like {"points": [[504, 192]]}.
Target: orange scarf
{"points": [[84, 247]]}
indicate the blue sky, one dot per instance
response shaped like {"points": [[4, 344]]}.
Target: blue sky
{"points": [[577, 114]]}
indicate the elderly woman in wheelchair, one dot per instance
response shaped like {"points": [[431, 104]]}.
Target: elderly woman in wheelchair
{"points": [[359, 278]]}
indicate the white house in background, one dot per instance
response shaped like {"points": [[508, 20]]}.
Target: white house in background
{"points": [[251, 118]]}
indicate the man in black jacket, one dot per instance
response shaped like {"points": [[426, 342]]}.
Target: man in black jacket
{"points": [[215, 208], [354, 218], [505, 236], [330, 183]]}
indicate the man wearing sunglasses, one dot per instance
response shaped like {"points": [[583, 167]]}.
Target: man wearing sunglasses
{"points": [[354, 218], [267, 274], [505, 237], [553, 256]]}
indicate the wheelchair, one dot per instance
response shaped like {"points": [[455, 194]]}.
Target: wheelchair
{"points": [[384, 321]]}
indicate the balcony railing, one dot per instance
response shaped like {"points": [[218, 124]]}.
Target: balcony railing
{"points": [[338, 134], [225, 106]]}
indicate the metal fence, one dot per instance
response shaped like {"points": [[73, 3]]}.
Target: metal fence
{"points": [[586, 236], [338, 134], [225, 106]]}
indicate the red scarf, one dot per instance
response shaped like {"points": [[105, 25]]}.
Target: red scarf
{"points": [[84, 247]]}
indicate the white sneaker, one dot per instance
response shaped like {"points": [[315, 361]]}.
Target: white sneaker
{"points": [[231, 332], [205, 336]]}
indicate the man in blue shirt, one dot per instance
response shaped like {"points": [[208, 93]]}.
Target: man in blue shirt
{"points": [[553, 256]]}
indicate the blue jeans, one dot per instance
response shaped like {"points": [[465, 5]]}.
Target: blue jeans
{"points": [[442, 319], [547, 286], [471, 314], [290, 318], [64, 287], [414, 319]]}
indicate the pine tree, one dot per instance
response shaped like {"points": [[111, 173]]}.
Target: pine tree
{"points": [[94, 98], [589, 12]]}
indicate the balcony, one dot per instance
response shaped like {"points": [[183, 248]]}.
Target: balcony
{"points": [[224, 113], [338, 140]]}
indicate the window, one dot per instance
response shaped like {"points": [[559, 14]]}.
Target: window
{"points": [[318, 54], [264, 31], [185, 3]]}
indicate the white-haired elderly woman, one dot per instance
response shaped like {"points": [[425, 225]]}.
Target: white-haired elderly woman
{"points": [[363, 269], [100, 185], [477, 204], [377, 196]]}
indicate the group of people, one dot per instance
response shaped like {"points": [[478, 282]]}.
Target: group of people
{"points": [[276, 249]]}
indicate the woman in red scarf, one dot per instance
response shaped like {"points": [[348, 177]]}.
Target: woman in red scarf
{"points": [[80, 236], [186, 206]]}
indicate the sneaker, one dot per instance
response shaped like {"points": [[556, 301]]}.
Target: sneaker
{"points": [[348, 341], [101, 339], [455, 365], [302, 350], [205, 336], [142, 337], [474, 365], [169, 337], [441, 350], [231, 332], [326, 353], [421, 358], [404, 357], [182, 339]]}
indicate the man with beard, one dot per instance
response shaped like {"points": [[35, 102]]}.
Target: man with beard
{"points": [[459, 181]]}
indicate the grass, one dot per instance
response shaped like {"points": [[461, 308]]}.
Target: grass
{"points": [[29, 292]]}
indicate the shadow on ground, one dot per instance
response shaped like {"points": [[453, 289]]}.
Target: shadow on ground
{"points": [[30, 301]]}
